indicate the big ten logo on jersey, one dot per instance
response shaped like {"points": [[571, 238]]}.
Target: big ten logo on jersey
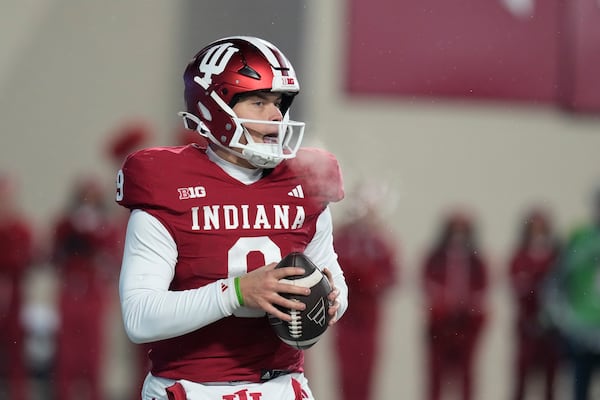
{"points": [[243, 394], [191, 192], [215, 60]]}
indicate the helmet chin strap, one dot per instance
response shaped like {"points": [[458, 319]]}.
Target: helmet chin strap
{"points": [[252, 152], [260, 160], [259, 154]]}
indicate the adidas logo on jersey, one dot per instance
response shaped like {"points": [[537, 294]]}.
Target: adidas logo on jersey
{"points": [[297, 192]]}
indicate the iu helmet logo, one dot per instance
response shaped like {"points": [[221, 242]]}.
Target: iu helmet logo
{"points": [[215, 60]]}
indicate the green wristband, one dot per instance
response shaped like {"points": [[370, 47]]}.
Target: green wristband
{"points": [[238, 291]]}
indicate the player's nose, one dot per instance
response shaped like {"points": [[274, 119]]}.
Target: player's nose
{"points": [[275, 113]]}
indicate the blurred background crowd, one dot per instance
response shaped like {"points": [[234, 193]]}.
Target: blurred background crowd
{"points": [[468, 134]]}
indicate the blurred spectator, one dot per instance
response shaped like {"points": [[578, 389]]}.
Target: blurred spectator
{"points": [[130, 136], [573, 300], [367, 251], [537, 342], [82, 255], [16, 257], [456, 280]]}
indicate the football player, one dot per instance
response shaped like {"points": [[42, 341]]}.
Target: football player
{"points": [[209, 223]]}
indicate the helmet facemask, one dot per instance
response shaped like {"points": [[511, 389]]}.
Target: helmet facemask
{"points": [[267, 154], [272, 150]]}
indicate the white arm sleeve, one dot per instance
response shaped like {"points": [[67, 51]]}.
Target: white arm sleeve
{"points": [[150, 311], [321, 251]]}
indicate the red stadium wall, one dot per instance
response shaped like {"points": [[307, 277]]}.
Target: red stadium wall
{"points": [[580, 56], [524, 50]]}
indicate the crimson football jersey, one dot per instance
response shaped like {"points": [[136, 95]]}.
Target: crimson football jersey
{"points": [[224, 228]]}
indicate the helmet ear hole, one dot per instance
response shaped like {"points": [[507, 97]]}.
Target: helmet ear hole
{"points": [[189, 123]]}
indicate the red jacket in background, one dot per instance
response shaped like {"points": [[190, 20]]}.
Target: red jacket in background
{"points": [[368, 257], [83, 255], [537, 344], [455, 281], [16, 256]]}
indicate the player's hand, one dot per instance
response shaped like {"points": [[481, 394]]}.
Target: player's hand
{"points": [[333, 295], [261, 289]]}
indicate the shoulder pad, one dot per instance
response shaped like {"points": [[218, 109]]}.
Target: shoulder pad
{"points": [[144, 176]]}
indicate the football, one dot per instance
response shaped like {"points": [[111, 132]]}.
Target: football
{"points": [[307, 326]]}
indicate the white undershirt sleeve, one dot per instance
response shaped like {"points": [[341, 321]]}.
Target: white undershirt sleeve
{"points": [[321, 251], [150, 310]]}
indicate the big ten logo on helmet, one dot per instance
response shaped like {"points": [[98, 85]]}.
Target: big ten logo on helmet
{"points": [[243, 394], [285, 83], [192, 192], [215, 60]]}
